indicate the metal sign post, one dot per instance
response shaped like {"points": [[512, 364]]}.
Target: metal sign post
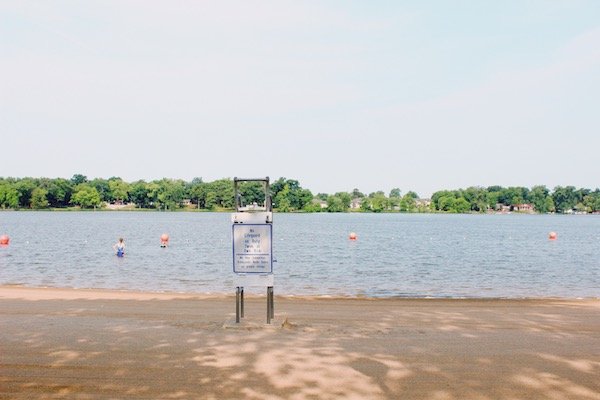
{"points": [[252, 234]]}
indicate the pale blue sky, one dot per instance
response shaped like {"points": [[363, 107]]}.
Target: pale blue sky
{"points": [[337, 94]]}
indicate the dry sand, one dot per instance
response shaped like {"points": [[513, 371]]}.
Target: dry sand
{"points": [[87, 344]]}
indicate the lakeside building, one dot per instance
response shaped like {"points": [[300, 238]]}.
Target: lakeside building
{"points": [[502, 208], [321, 203], [355, 203], [524, 208], [424, 203]]}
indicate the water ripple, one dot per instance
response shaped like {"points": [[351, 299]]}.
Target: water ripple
{"points": [[395, 254]]}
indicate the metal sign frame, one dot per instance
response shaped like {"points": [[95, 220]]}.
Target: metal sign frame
{"points": [[253, 215]]}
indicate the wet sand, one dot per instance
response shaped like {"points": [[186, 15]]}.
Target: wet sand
{"points": [[91, 344]]}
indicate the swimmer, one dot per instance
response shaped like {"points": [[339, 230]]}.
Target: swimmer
{"points": [[119, 248]]}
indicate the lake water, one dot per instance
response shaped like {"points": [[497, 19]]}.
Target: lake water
{"points": [[409, 255]]}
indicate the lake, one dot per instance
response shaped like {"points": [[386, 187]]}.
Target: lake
{"points": [[395, 255]]}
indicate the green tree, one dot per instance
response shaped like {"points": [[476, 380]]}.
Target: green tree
{"points": [[379, 202], [39, 198], [564, 198], [447, 203], [138, 194], [297, 197], [190, 190], [345, 198], [441, 199], [9, 196], [549, 205], [170, 193], [357, 194], [59, 192], [592, 200], [119, 189], [335, 204], [103, 189], [78, 179], [223, 189], [477, 198], [210, 200], [25, 188], [408, 203], [365, 204], [322, 196], [312, 207], [596, 201], [197, 193], [252, 192], [277, 186], [394, 198], [496, 188], [152, 190], [282, 200], [538, 196], [462, 205], [86, 196], [492, 198], [513, 195], [301, 198]]}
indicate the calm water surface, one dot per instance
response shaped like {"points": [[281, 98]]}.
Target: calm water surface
{"points": [[413, 255]]}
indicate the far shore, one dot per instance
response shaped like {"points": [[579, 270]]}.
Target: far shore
{"points": [[67, 343], [229, 210]]}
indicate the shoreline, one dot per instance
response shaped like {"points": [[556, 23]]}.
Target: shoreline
{"points": [[226, 210], [74, 343], [169, 295]]}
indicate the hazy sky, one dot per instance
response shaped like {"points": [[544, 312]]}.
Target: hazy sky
{"points": [[420, 95]]}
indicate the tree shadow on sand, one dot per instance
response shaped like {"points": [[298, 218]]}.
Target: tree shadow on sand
{"points": [[173, 350]]}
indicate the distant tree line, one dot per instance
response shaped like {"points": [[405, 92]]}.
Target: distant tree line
{"points": [[170, 194], [287, 195], [562, 199]]}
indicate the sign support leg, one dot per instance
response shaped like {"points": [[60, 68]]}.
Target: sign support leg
{"points": [[272, 303], [237, 305], [242, 302], [270, 306]]}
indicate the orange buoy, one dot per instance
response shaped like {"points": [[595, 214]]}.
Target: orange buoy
{"points": [[552, 236], [4, 240], [352, 236], [164, 240]]}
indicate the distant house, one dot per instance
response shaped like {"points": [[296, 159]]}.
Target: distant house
{"points": [[117, 205], [524, 208], [426, 203], [355, 203], [502, 208], [321, 203]]}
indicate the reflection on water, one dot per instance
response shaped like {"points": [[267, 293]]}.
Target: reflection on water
{"points": [[395, 254]]}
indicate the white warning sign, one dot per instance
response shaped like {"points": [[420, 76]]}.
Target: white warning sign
{"points": [[252, 248]]}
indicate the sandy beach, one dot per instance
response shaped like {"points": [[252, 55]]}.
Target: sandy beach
{"points": [[91, 344]]}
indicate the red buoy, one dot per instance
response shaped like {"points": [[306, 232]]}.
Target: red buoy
{"points": [[552, 236], [164, 240], [352, 236], [4, 240]]}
